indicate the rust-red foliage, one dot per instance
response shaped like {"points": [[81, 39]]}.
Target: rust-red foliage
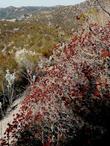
{"points": [[78, 73]]}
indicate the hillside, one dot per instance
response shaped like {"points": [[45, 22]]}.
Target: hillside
{"points": [[38, 34], [63, 16], [29, 39], [73, 17], [62, 57], [20, 13], [70, 97]]}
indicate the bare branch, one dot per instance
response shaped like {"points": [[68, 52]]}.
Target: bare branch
{"points": [[103, 8]]}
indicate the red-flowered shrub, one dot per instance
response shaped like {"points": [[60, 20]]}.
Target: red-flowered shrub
{"points": [[65, 101]]}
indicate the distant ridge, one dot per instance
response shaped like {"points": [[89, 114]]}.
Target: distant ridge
{"points": [[16, 12]]}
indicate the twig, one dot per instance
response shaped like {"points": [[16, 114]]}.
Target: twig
{"points": [[103, 8]]}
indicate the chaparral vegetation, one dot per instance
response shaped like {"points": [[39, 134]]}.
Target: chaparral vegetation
{"points": [[66, 100]]}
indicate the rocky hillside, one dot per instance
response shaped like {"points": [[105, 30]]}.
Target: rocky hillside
{"points": [[64, 16], [73, 17], [69, 100], [23, 42]]}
